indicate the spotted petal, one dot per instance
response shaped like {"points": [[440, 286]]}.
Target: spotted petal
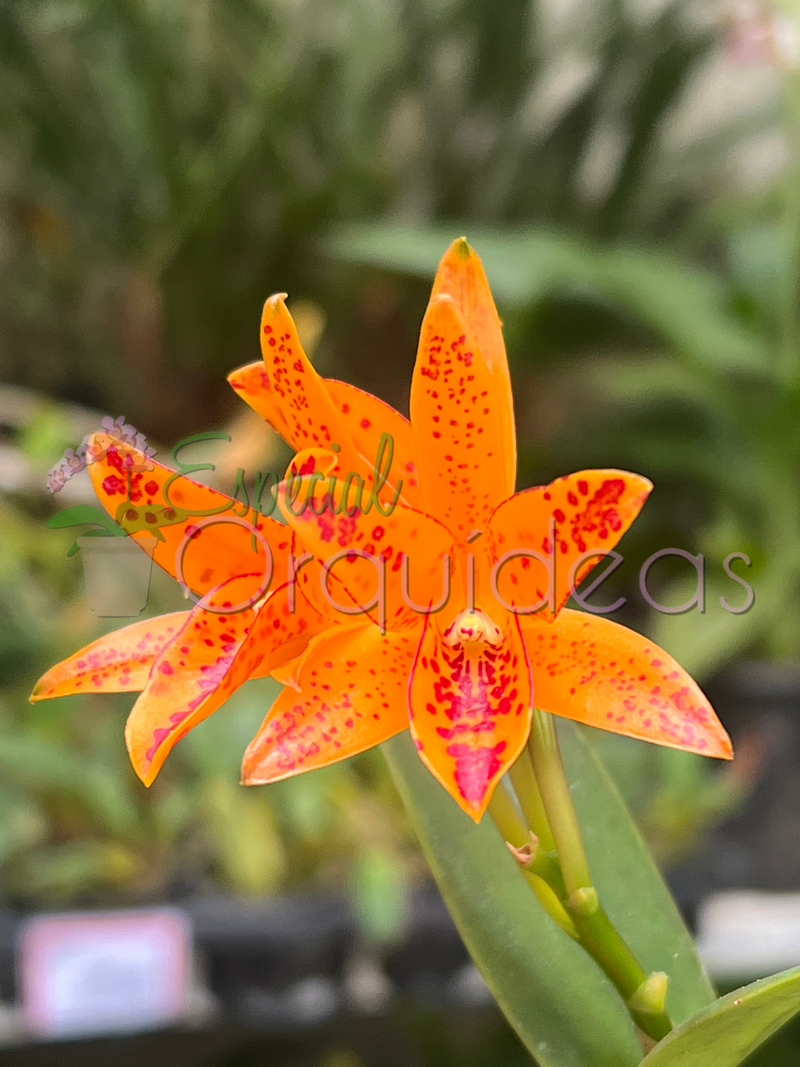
{"points": [[584, 512], [588, 668], [470, 712], [366, 418], [119, 662], [323, 528], [308, 415], [206, 661], [458, 416], [461, 275], [252, 383], [203, 536], [352, 696]]}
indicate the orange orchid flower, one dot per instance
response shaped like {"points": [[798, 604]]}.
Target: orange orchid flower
{"points": [[444, 609]]}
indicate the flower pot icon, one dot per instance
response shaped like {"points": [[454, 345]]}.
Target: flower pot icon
{"points": [[116, 571]]}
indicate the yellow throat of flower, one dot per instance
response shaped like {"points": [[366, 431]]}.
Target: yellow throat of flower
{"points": [[473, 627]]}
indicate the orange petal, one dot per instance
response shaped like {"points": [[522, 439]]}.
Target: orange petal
{"points": [[252, 383], [308, 414], [591, 510], [119, 662], [208, 660], [459, 421], [366, 418], [309, 460], [352, 696], [382, 542], [587, 668], [461, 275], [361, 418], [288, 672], [470, 712], [283, 629], [210, 548]]}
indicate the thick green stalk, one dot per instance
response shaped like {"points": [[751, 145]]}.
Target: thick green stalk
{"points": [[643, 994]]}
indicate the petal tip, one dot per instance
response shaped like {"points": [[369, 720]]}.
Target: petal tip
{"points": [[236, 373], [146, 775], [275, 302], [37, 693], [725, 747]]}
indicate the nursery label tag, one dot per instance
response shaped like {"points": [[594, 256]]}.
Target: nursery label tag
{"points": [[104, 972]]}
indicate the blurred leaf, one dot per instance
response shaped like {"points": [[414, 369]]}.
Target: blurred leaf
{"points": [[759, 258], [727, 1031], [379, 894], [704, 642], [22, 824], [251, 856], [70, 870]]}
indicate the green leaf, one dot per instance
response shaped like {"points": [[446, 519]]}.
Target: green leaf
{"points": [[630, 886], [559, 1002], [727, 1031]]}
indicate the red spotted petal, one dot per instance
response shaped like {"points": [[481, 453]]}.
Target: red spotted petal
{"points": [[361, 548], [252, 383], [458, 417], [203, 535], [360, 418], [119, 662], [208, 660], [470, 712], [308, 416], [366, 418], [461, 276], [589, 511], [588, 668], [352, 696]]}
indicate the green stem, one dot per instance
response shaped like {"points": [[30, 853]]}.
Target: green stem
{"points": [[642, 994], [530, 799], [557, 801], [543, 871]]}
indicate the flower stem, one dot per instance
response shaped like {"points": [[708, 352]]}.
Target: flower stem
{"points": [[644, 995], [530, 799], [543, 870], [557, 801]]}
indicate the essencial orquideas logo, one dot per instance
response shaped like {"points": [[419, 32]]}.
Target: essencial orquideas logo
{"points": [[147, 507]]}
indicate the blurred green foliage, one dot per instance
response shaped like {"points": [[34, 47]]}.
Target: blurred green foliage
{"points": [[167, 164]]}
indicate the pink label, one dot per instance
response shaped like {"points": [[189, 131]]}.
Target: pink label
{"points": [[104, 972]]}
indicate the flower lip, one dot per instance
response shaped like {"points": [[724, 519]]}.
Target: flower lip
{"points": [[472, 626]]}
